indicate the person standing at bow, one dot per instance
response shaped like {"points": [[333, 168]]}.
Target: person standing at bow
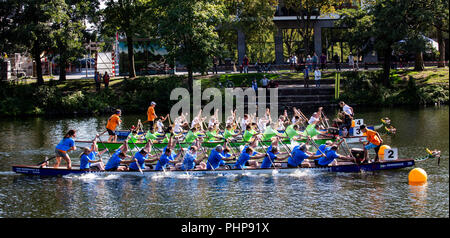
{"points": [[151, 115], [374, 141], [348, 114], [65, 145], [112, 124]]}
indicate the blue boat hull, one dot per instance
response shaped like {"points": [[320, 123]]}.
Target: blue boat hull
{"points": [[342, 168]]}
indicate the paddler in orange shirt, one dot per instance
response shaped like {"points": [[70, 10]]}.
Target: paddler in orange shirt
{"points": [[374, 141], [151, 115], [112, 124]]}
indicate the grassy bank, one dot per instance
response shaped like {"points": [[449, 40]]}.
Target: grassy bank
{"points": [[80, 96], [407, 87], [134, 96]]}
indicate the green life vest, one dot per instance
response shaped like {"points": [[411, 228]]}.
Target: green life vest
{"points": [[248, 135], [150, 136], [190, 137], [269, 133], [210, 136], [311, 131], [227, 134], [290, 131]]}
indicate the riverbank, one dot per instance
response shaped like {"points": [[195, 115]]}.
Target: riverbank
{"points": [[79, 97]]}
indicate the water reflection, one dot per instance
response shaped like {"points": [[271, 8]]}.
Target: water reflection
{"points": [[299, 194]]}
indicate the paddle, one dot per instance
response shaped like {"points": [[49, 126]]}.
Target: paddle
{"points": [[271, 161], [45, 161]]}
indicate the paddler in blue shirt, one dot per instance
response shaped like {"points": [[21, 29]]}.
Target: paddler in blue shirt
{"points": [[88, 157], [217, 158], [331, 157], [248, 158], [299, 154], [141, 157], [118, 158], [167, 157], [65, 145]]}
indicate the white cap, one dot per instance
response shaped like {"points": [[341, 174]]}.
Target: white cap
{"points": [[153, 103]]}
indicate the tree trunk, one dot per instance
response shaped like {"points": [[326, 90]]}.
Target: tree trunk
{"points": [[387, 66], [37, 58], [441, 43], [418, 64], [62, 70], [131, 69], [190, 79]]}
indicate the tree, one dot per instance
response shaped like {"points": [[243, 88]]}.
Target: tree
{"points": [[125, 16], [188, 31], [32, 21], [307, 12], [67, 31]]}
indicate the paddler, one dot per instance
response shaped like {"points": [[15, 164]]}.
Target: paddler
{"points": [[374, 141], [167, 157], [211, 135], [190, 160], [272, 155], [298, 155], [64, 146], [87, 158], [331, 157], [141, 157], [118, 158], [248, 158], [151, 115], [248, 133], [113, 121], [229, 132], [217, 158]]}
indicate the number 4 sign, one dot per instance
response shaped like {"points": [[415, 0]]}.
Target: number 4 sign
{"points": [[391, 154]]}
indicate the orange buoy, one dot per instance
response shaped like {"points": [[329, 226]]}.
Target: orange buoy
{"points": [[381, 151], [353, 123], [417, 176]]}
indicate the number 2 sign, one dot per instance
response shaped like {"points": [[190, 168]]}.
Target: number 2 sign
{"points": [[391, 154]]}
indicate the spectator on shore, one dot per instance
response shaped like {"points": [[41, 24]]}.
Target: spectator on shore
{"points": [[323, 61], [351, 61], [215, 64], [106, 80], [264, 82], [306, 76], [317, 76], [272, 84], [245, 63], [309, 63], [255, 85], [315, 60], [337, 62], [97, 79]]}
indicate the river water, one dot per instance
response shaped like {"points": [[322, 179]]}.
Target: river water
{"points": [[303, 194]]}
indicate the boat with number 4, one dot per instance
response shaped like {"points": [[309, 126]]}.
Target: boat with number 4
{"points": [[341, 167]]}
